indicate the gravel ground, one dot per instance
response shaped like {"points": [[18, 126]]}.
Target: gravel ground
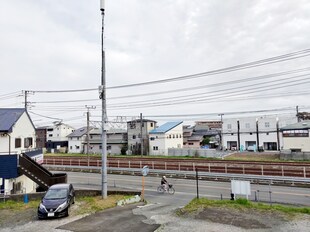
{"points": [[210, 219]]}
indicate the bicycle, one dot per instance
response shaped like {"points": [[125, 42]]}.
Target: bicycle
{"points": [[170, 190]]}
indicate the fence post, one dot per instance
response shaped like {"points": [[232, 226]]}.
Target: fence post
{"points": [[305, 172], [193, 166], [140, 164], [179, 166], [209, 167], [70, 163], [79, 162], [282, 171], [243, 169], [153, 165], [54, 161], [117, 163], [62, 162], [226, 168], [197, 183], [262, 170], [129, 164], [165, 165]]}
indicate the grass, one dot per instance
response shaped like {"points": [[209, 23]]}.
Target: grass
{"points": [[87, 205], [19, 205], [198, 204], [91, 205]]}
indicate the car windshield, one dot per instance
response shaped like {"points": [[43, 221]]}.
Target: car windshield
{"points": [[56, 194]]}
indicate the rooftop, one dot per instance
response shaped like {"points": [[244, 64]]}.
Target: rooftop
{"points": [[166, 127], [297, 126], [8, 117]]}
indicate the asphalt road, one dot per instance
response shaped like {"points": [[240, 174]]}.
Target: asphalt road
{"points": [[186, 189]]}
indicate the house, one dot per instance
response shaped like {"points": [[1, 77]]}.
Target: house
{"points": [[251, 133], [134, 135], [76, 140], [17, 135], [17, 132], [296, 136], [116, 141], [169, 135], [56, 138], [41, 137]]}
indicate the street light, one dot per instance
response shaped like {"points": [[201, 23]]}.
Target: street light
{"points": [[238, 134]]}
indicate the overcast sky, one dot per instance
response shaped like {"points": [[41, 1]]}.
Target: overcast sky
{"points": [[56, 45]]}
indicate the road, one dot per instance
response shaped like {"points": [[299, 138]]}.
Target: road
{"points": [[186, 189]]}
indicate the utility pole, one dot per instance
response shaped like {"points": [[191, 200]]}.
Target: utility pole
{"points": [[257, 134], [278, 136], [104, 173], [87, 116], [221, 134], [238, 134], [26, 92], [141, 132], [297, 114]]}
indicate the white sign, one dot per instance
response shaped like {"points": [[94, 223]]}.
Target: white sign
{"points": [[241, 187], [145, 170]]}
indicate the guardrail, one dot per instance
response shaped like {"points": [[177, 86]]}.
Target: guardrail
{"points": [[186, 174]]}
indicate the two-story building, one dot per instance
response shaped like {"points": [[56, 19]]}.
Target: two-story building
{"points": [[134, 130], [169, 135], [296, 136], [77, 139], [116, 141], [57, 136], [251, 133], [17, 135]]}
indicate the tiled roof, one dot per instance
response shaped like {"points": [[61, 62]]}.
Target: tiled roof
{"points": [[8, 117], [166, 127], [79, 132]]}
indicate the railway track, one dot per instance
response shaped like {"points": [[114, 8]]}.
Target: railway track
{"points": [[288, 169]]}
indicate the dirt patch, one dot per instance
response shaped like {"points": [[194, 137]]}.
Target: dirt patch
{"points": [[16, 218], [245, 218], [254, 156]]}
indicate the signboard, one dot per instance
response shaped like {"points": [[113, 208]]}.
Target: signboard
{"points": [[241, 187]]}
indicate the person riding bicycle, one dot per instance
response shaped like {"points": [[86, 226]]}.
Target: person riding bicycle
{"points": [[164, 182]]}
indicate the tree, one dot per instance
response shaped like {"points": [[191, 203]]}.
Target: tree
{"points": [[205, 141]]}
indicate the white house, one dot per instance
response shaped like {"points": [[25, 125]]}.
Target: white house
{"points": [[76, 140], [296, 136], [254, 132], [56, 137], [17, 134], [169, 135]]}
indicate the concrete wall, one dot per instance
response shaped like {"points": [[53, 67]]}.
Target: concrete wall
{"points": [[208, 153], [288, 155], [302, 143]]}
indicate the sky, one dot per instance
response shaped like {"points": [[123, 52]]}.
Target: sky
{"points": [[56, 45]]}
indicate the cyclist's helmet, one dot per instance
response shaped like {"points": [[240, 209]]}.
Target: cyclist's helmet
{"points": [[164, 177]]}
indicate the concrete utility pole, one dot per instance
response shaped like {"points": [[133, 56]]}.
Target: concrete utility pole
{"points": [[297, 114], [87, 138], [26, 92], [238, 134], [221, 134], [141, 133], [257, 134], [104, 184]]}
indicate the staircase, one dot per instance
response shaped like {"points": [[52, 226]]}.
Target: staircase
{"points": [[38, 173]]}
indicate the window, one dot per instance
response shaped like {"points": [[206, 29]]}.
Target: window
{"points": [[155, 148], [251, 133], [177, 136], [70, 147], [27, 142], [77, 147], [267, 133], [50, 135], [100, 147], [152, 138], [50, 129], [169, 136], [133, 137], [190, 143], [132, 125], [247, 125], [232, 133], [267, 124], [229, 126], [18, 142], [173, 136], [108, 147], [151, 124], [180, 136]]}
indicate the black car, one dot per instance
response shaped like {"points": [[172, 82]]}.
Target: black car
{"points": [[56, 201]]}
